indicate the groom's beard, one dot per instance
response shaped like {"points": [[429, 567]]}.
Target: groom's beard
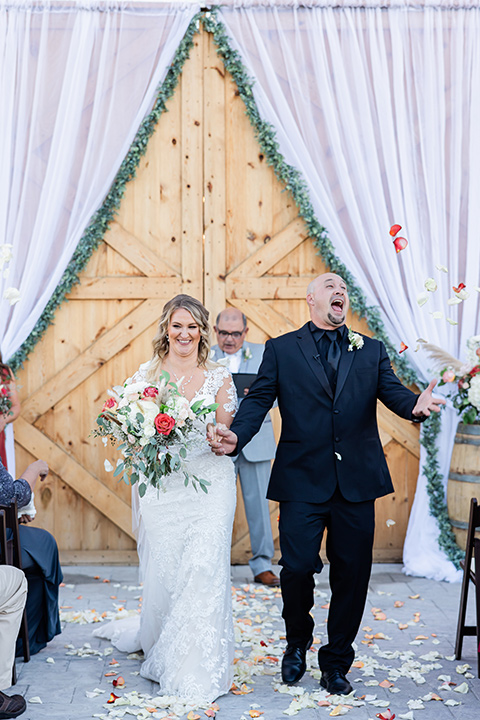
{"points": [[337, 321]]}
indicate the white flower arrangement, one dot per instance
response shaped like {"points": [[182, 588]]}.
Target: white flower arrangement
{"points": [[356, 340]]}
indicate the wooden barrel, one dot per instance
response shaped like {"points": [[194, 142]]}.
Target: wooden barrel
{"points": [[464, 479]]}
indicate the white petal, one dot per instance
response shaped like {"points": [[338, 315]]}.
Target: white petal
{"points": [[108, 465], [442, 268], [422, 299], [12, 295], [451, 321], [437, 315], [390, 522], [454, 301]]}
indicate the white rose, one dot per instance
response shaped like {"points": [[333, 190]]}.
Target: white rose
{"points": [[474, 392], [148, 409]]}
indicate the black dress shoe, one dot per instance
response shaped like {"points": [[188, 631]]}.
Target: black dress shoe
{"points": [[335, 682], [294, 663]]}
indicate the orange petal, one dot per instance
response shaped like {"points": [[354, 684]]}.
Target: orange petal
{"points": [[323, 703], [400, 244], [326, 606], [414, 597], [398, 603], [402, 626], [421, 637], [395, 229], [386, 684], [113, 698], [255, 713], [403, 347], [193, 716], [380, 616]]}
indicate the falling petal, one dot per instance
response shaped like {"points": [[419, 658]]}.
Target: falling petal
{"points": [[462, 294], [437, 315], [430, 284], [390, 522], [452, 321], [461, 286], [442, 268], [12, 295], [454, 301], [395, 229], [403, 347], [422, 299], [400, 244]]}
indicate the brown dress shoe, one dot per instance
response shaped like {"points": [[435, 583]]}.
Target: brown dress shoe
{"points": [[11, 706], [267, 577]]}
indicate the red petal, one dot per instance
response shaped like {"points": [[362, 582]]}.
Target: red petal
{"points": [[461, 286], [395, 229], [403, 347], [400, 243], [113, 698], [118, 682]]}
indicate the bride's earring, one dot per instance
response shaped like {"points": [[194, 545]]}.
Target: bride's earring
{"points": [[167, 338]]}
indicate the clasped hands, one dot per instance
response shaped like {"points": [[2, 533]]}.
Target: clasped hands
{"points": [[222, 441]]}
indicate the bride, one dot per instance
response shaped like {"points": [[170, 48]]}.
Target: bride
{"points": [[184, 536]]}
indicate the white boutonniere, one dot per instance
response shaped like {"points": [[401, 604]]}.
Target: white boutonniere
{"points": [[246, 354], [356, 340]]}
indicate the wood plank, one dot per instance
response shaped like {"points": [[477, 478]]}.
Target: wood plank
{"points": [[192, 171], [126, 288], [214, 181], [272, 322], [404, 432], [107, 346], [137, 253], [267, 256], [268, 287], [98, 557], [75, 475]]}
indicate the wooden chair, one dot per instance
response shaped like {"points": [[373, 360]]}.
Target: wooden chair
{"points": [[470, 574], [12, 555]]}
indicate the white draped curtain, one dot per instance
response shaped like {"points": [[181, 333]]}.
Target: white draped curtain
{"points": [[378, 108], [76, 80]]}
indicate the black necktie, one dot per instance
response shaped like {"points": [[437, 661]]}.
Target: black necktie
{"points": [[333, 354]]}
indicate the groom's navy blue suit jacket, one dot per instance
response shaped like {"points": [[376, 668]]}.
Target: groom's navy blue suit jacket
{"points": [[326, 438]]}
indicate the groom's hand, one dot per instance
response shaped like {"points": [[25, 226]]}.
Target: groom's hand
{"points": [[221, 440], [426, 403]]}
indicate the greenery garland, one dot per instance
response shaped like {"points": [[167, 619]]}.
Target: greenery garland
{"points": [[101, 220], [293, 181]]}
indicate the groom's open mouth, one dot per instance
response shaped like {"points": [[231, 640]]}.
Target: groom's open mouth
{"points": [[337, 305]]}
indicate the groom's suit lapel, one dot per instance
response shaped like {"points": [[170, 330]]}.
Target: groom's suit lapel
{"points": [[346, 360], [307, 345]]}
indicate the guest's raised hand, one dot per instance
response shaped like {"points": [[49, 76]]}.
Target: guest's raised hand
{"points": [[426, 403]]}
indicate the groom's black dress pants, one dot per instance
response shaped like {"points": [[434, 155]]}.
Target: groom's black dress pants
{"points": [[350, 528]]}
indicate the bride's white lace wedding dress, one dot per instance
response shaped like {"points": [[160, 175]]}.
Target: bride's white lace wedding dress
{"points": [[184, 538]]}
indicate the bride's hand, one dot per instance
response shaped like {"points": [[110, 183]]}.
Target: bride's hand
{"points": [[212, 434]]}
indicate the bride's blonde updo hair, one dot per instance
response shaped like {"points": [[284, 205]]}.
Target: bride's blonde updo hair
{"points": [[161, 343]]}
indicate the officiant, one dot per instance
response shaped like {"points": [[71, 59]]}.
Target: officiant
{"points": [[253, 463]]}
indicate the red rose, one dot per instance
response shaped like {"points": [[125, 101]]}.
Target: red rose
{"points": [[164, 423], [474, 371], [109, 404], [150, 392]]}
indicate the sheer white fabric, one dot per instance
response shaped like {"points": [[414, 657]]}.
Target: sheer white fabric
{"points": [[378, 110], [184, 538], [75, 82]]}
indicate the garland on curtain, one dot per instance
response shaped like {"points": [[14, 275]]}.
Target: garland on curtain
{"points": [[101, 220], [295, 183]]}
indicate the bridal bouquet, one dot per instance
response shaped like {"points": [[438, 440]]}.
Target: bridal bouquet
{"points": [[152, 422], [466, 381]]}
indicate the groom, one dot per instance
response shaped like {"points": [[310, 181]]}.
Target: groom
{"points": [[329, 467]]}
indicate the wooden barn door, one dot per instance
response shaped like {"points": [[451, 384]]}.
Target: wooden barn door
{"points": [[206, 216]]}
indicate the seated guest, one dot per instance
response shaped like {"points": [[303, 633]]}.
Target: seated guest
{"points": [[39, 560], [13, 593]]}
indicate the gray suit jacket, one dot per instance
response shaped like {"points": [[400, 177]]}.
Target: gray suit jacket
{"points": [[262, 446]]}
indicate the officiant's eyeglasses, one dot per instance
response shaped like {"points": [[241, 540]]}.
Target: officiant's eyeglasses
{"points": [[235, 334]]}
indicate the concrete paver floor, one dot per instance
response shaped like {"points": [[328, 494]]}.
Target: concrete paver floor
{"points": [[404, 654]]}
